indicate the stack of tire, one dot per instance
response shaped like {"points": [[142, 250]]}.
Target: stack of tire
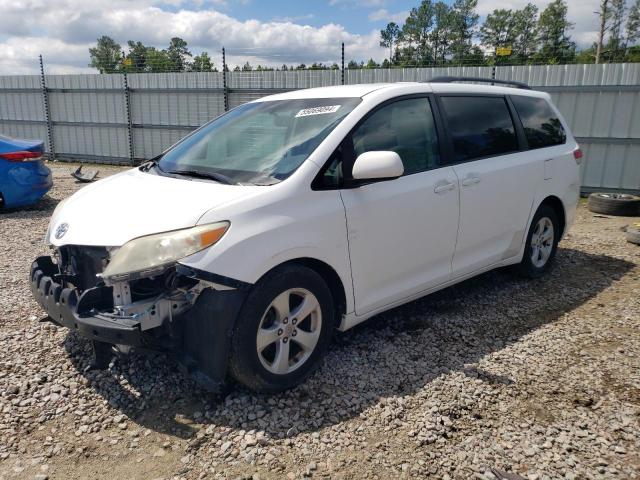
{"points": [[618, 204]]}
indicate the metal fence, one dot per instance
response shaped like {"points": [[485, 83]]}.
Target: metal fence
{"points": [[125, 119]]}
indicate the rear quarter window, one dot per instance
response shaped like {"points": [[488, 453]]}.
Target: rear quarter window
{"points": [[542, 127], [479, 126]]}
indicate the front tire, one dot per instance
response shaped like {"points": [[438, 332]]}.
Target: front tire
{"points": [[283, 330], [541, 244]]}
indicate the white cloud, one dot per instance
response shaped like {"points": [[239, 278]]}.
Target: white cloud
{"points": [[63, 30], [383, 14], [359, 3]]}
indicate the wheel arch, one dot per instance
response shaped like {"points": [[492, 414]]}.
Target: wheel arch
{"points": [[556, 204], [330, 277]]}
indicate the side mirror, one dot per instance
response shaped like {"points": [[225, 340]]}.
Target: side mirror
{"points": [[377, 165]]}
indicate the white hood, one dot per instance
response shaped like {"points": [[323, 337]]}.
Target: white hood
{"points": [[133, 203]]}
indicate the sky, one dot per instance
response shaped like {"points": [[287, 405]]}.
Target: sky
{"points": [[267, 32]]}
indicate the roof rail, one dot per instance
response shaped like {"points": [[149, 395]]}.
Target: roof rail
{"points": [[450, 79]]}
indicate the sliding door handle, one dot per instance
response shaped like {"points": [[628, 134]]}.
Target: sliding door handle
{"points": [[444, 187], [470, 181]]}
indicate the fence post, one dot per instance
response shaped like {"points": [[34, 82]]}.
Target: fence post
{"points": [[342, 69], [493, 67], [47, 112], [127, 109], [224, 81]]}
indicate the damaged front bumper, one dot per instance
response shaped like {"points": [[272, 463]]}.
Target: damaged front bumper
{"points": [[193, 324], [81, 312]]}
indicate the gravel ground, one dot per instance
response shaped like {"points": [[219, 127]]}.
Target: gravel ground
{"points": [[496, 376]]}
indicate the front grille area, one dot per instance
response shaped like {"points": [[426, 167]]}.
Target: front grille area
{"points": [[79, 265]]}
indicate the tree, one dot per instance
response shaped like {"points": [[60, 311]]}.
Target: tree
{"points": [[136, 59], [106, 56], [441, 34], [556, 44], [633, 24], [178, 54], [415, 34], [371, 64], [202, 63], [247, 67], [604, 17], [526, 32], [389, 37], [499, 29], [465, 20], [158, 61], [615, 46]]}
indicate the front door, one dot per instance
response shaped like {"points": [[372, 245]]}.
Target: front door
{"points": [[401, 232]]}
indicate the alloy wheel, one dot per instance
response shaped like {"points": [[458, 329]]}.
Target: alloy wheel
{"points": [[542, 242], [289, 331]]}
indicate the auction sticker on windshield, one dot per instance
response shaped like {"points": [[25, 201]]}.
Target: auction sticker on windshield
{"points": [[306, 112]]}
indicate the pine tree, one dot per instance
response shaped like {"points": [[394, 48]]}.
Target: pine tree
{"points": [[202, 63], [499, 29], [106, 56], [178, 53], [556, 44], [526, 32], [465, 20], [633, 24], [615, 45], [389, 37]]}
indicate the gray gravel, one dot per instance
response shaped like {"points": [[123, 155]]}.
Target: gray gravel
{"points": [[495, 376]]}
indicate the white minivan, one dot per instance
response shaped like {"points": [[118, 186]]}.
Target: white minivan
{"points": [[242, 247]]}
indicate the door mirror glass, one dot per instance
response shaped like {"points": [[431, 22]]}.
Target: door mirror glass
{"points": [[377, 165]]}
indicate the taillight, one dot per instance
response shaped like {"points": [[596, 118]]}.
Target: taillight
{"points": [[21, 156], [577, 155]]}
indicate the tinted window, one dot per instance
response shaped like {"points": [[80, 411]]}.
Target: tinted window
{"points": [[479, 126], [542, 126], [405, 127]]}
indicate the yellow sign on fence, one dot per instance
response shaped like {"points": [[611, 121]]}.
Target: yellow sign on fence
{"points": [[503, 51]]}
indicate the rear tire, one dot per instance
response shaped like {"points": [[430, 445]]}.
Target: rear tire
{"points": [[541, 244], [283, 330], [618, 204]]}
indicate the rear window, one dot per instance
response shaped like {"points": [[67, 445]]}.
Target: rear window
{"points": [[479, 126], [542, 126]]}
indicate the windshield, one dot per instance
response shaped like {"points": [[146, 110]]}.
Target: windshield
{"points": [[261, 143]]}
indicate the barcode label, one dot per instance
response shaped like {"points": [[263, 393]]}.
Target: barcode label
{"points": [[305, 112]]}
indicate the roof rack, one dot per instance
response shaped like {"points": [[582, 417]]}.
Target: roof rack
{"points": [[451, 79]]}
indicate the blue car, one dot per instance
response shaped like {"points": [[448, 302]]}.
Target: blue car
{"points": [[24, 178]]}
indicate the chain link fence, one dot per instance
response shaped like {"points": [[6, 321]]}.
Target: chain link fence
{"points": [[127, 118]]}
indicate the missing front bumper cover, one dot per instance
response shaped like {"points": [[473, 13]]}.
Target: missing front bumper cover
{"points": [[66, 308], [199, 335]]}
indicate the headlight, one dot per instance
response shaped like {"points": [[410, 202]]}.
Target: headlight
{"points": [[146, 255]]}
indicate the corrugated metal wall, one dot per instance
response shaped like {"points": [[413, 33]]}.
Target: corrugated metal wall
{"points": [[113, 119]]}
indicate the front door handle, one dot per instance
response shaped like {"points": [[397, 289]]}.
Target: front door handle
{"points": [[470, 181], [444, 187]]}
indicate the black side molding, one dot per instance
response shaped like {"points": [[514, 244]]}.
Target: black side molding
{"points": [[212, 277]]}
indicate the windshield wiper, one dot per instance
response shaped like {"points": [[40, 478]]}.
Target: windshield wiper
{"points": [[218, 177]]}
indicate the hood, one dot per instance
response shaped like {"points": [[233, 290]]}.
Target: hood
{"points": [[132, 204]]}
